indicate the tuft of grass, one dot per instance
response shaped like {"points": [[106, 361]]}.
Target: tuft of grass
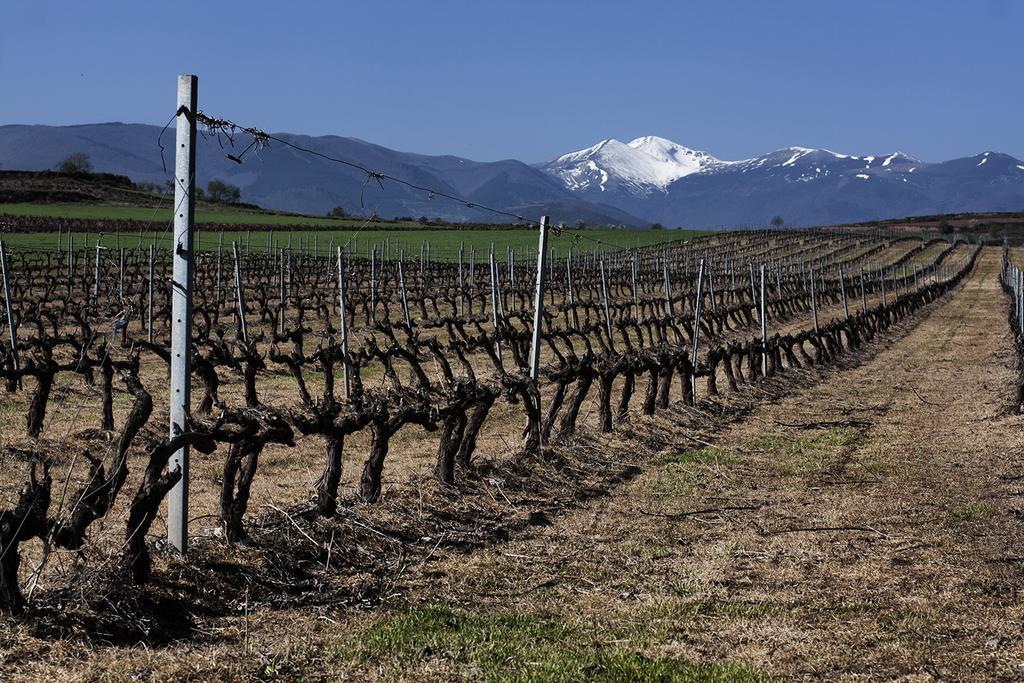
{"points": [[654, 552], [811, 452], [688, 470], [513, 646], [903, 622], [729, 609], [970, 512], [709, 455]]}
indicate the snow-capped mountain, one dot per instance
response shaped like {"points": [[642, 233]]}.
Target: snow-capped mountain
{"points": [[663, 181], [640, 167]]}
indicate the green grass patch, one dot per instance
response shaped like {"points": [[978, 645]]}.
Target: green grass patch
{"points": [[808, 452], [688, 469], [970, 512], [512, 646], [903, 621], [676, 482], [709, 455], [732, 609]]}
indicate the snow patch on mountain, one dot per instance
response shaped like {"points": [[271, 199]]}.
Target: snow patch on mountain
{"points": [[643, 165]]}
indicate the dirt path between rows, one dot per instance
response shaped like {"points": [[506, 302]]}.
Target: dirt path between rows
{"points": [[868, 525]]}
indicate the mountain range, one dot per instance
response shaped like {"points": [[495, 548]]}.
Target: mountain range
{"points": [[660, 180], [647, 180]]}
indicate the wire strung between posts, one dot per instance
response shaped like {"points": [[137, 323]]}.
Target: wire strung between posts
{"points": [[261, 139], [159, 140]]}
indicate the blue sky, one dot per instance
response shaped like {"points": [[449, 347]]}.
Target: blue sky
{"points": [[531, 80]]}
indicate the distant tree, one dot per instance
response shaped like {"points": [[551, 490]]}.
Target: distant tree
{"points": [[337, 212], [657, 226], [777, 222], [581, 224], [423, 220], [946, 227], [168, 187], [75, 164], [222, 193]]}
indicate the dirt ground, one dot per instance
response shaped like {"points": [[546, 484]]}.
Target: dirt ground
{"points": [[862, 524]]}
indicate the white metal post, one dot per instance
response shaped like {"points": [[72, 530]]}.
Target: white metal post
{"points": [[149, 308], [633, 269], [344, 324], [814, 303], [572, 291], [280, 290], [842, 286], [96, 276], [240, 295], [461, 281], [668, 294], [494, 304], [607, 310], [538, 300], [8, 306], [764, 328], [220, 259], [405, 297], [696, 330], [373, 283], [753, 289], [863, 295], [181, 301]]}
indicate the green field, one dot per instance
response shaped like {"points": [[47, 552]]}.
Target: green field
{"points": [[444, 243], [162, 214]]}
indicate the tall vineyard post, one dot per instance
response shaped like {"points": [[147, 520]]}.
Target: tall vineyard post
{"points": [[149, 306], [181, 302], [8, 307], [698, 305], [538, 310], [240, 295], [814, 304], [842, 286], [607, 311], [764, 328], [538, 300], [344, 325]]}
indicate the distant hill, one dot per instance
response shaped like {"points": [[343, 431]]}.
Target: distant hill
{"points": [[647, 180], [285, 179]]}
